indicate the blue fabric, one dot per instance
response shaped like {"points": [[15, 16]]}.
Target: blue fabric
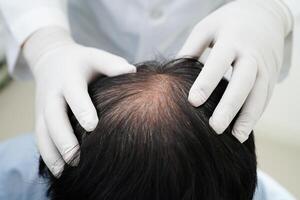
{"points": [[268, 189], [19, 178]]}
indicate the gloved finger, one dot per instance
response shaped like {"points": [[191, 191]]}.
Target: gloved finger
{"points": [[48, 151], [79, 100], [108, 64], [60, 129], [218, 62], [239, 87], [252, 110], [199, 39]]}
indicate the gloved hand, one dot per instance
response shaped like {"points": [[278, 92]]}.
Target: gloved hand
{"points": [[62, 70], [249, 35]]}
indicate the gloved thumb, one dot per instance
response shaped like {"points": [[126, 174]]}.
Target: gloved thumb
{"points": [[108, 64]]}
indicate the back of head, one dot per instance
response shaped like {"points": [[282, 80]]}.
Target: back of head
{"points": [[151, 144]]}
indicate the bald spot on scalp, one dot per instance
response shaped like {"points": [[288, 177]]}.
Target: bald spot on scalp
{"points": [[149, 101]]}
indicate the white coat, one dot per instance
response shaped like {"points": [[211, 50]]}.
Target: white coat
{"points": [[137, 30]]}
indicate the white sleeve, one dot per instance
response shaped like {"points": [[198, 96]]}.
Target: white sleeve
{"points": [[293, 7], [21, 19]]}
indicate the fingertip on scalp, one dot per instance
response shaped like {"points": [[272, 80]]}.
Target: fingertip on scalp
{"points": [[132, 69], [122, 68], [91, 124], [240, 135], [56, 169], [196, 98], [216, 125]]}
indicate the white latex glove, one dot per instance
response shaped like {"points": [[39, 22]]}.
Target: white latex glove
{"points": [[249, 35], [62, 70]]}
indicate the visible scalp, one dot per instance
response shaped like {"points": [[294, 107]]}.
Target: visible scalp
{"points": [[150, 100]]}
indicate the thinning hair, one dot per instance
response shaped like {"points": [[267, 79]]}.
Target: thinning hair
{"points": [[151, 144]]}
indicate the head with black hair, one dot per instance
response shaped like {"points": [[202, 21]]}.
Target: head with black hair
{"points": [[151, 144]]}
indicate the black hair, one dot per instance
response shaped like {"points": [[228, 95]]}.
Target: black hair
{"points": [[152, 144]]}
